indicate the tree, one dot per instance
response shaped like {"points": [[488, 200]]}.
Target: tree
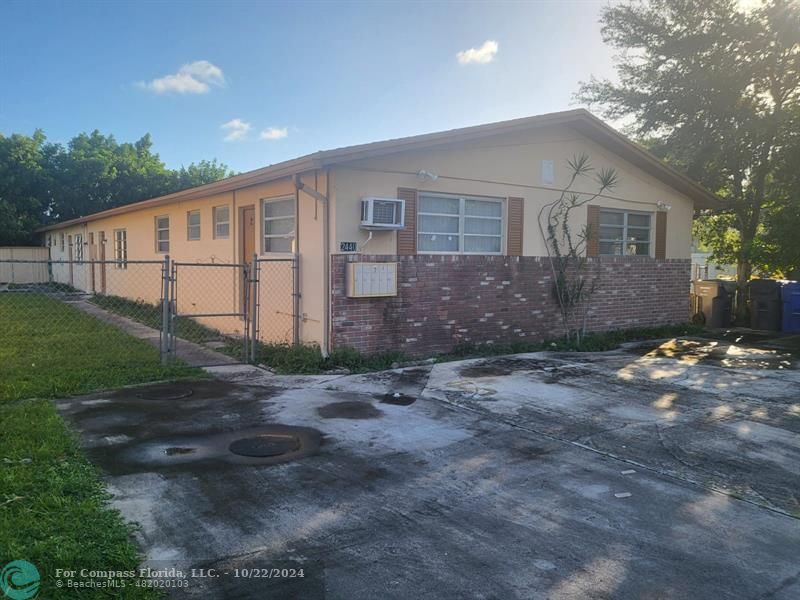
{"points": [[206, 171], [95, 173], [780, 248], [23, 186], [42, 182], [713, 88], [566, 248]]}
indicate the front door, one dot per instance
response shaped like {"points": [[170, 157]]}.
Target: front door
{"points": [[247, 244], [248, 237]]}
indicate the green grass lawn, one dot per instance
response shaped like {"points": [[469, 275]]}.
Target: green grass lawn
{"points": [[53, 507], [185, 327]]}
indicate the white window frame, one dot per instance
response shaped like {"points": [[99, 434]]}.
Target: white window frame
{"points": [[158, 229], [650, 241], [264, 219], [461, 218], [121, 248], [189, 225], [218, 222], [77, 242]]}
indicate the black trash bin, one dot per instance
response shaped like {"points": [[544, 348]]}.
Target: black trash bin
{"points": [[766, 306], [714, 302]]}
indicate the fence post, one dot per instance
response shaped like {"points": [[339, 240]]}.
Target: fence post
{"points": [[165, 310], [255, 276], [173, 310], [296, 299], [245, 304]]}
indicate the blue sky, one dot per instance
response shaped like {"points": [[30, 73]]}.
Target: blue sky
{"points": [[314, 75]]}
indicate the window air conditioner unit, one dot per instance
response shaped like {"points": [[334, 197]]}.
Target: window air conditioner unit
{"points": [[383, 213]]}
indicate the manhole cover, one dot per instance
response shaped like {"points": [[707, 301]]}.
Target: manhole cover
{"points": [[268, 444], [165, 392]]}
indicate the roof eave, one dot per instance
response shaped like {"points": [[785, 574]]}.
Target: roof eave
{"points": [[251, 178], [602, 133], [579, 119]]}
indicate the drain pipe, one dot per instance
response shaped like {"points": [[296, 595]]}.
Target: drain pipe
{"points": [[301, 187]]}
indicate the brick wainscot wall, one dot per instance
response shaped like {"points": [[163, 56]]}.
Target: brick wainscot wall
{"points": [[448, 300]]}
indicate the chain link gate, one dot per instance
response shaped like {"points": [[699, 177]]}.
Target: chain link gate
{"points": [[230, 308], [207, 306], [276, 319]]}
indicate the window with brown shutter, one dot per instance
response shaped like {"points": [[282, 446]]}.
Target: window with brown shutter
{"points": [[593, 225], [661, 236], [516, 215], [407, 237]]}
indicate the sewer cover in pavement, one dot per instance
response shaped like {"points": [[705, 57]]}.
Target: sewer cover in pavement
{"points": [[268, 444]]}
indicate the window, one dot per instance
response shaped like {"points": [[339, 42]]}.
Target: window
{"points": [[79, 247], [624, 233], [279, 225], [459, 224], [162, 234], [62, 242], [222, 222], [121, 248], [192, 225], [49, 240]]}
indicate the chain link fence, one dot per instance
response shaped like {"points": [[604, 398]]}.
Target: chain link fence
{"points": [[63, 322], [276, 301], [199, 313], [209, 307]]}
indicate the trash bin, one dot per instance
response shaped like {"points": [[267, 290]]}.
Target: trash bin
{"points": [[765, 304], [790, 294], [714, 302]]}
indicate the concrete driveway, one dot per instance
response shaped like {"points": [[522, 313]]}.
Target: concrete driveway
{"points": [[664, 471]]}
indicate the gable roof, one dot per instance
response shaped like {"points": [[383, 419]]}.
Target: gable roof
{"points": [[580, 120]]}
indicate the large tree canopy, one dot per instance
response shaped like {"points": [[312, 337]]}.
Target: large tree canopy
{"points": [[43, 182], [715, 90]]}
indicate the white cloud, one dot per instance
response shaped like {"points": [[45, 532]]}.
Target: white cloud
{"points": [[192, 78], [484, 54], [235, 129], [274, 133]]}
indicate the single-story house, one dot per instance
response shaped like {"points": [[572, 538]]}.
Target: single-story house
{"points": [[427, 242]]}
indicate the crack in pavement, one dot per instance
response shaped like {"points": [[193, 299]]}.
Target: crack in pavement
{"points": [[682, 478]]}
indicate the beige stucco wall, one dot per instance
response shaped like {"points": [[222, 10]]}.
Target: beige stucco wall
{"points": [[503, 166], [500, 166], [207, 290]]}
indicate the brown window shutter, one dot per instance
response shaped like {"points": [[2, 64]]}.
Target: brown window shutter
{"points": [[593, 225], [407, 237], [516, 215], [661, 236]]}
